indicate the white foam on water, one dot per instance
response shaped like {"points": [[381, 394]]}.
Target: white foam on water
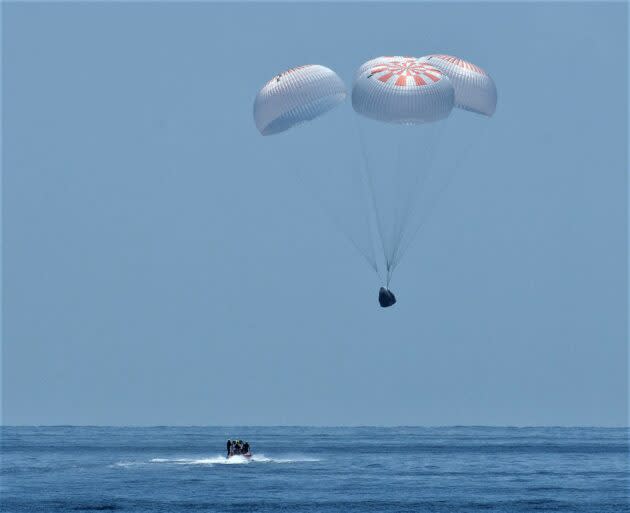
{"points": [[289, 459], [126, 464], [234, 460]]}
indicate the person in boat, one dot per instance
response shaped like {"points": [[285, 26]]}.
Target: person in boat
{"points": [[386, 297], [238, 448]]}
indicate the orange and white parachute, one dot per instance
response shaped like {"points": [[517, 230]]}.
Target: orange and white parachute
{"points": [[474, 88], [402, 90]]}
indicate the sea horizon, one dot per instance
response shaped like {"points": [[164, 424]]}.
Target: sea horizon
{"points": [[384, 426]]}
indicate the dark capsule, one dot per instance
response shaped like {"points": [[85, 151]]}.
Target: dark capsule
{"points": [[386, 297]]}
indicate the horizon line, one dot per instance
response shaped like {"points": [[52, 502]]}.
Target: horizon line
{"points": [[324, 426]]}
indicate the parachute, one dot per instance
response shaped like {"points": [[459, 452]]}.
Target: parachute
{"points": [[403, 107], [296, 96], [474, 88], [403, 91], [407, 97]]}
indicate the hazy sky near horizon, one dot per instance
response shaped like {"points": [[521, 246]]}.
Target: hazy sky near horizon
{"points": [[161, 265]]}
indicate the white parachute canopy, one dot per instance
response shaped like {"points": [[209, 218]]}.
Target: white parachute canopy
{"points": [[295, 96], [402, 90], [474, 88]]}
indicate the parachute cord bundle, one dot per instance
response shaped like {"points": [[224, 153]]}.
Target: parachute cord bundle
{"points": [[372, 201], [401, 191]]}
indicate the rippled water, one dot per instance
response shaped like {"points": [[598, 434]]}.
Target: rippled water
{"points": [[458, 469]]}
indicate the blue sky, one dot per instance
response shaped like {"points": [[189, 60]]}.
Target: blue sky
{"points": [[162, 264]]}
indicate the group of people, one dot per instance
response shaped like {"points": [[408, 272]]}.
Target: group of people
{"points": [[237, 447]]}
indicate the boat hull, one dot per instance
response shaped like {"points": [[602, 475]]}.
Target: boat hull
{"points": [[247, 456]]}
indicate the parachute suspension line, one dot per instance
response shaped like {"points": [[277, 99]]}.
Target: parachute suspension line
{"points": [[407, 207], [431, 205], [372, 194], [399, 208], [418, 188], [454, 170], [369, 258], [366, 195]]}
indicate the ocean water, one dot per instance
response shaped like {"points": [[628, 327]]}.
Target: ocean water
{"points": [[297, 469]]}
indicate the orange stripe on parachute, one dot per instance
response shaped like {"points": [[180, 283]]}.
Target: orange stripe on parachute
{"points": [[434, 78], [419, 81]]}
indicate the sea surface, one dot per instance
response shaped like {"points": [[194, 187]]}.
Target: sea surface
{"points": [[297, 469]]}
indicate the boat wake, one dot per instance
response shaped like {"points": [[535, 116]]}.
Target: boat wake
{"points": [[234, 460]]}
